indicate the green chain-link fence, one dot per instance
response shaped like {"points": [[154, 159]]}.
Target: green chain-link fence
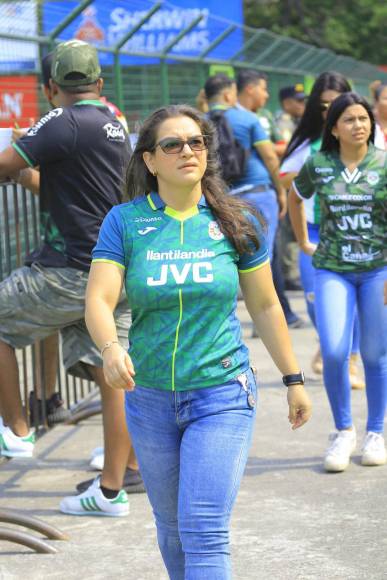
{"points": [[165, 70]]}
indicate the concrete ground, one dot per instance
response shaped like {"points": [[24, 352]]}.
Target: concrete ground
{"points": [[292, 521]]}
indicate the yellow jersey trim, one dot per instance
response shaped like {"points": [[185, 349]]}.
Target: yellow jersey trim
{"points": [[177, 338], [181, 215], [264, 141], [255, 267], [150, 201], [106, 261]]}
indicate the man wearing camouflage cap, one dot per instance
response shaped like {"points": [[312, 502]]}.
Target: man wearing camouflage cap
{"points": [[83, 152]]}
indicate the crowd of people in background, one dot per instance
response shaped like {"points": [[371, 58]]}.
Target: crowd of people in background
{"points": [[305, 188]]}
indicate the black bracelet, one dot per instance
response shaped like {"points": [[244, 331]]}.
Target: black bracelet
{"points": [[296, 379]]}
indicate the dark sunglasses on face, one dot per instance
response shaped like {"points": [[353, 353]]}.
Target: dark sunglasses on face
{"points": [[324, 106], [173, 145]]}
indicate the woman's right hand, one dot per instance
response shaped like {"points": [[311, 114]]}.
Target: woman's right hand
{"points": [[118, 368], [308, 248], [300, 407]]}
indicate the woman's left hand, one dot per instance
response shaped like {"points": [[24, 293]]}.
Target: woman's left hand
{"points": [[300, 407], [308, 248]]}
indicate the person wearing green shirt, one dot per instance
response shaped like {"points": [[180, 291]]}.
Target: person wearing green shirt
{"points": [[349, 176], [182, 246]]}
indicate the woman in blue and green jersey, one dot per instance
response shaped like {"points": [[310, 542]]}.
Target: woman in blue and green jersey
{"points": [[306, 141], [350, 262], [181, 246]]}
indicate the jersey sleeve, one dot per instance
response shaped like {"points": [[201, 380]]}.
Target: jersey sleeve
{"points": [[110, 247], [249, 262], [258, 133], [51, 139], [304, 184], [296, 159]]}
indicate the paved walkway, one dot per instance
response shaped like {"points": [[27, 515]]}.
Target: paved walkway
{"points": [[292, 521]]}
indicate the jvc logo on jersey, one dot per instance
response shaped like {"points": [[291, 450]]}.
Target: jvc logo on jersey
{"points": [[351, 177], [201, 274], [146, 231], [114, 131], [361, 220]]}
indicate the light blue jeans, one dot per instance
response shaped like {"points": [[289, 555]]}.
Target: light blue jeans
{"points": [[307, 274], [336, 297], [192, 449], [266, 203]]}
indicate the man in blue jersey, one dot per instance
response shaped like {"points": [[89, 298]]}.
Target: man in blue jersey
{"points": [[82, 152], [260, 184], [252, 96]]}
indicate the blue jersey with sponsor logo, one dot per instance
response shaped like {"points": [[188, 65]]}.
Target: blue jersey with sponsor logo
{"points": [[181, 278], [82, 152]]}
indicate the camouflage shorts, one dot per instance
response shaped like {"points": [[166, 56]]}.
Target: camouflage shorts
{"points": [[36, 301]]}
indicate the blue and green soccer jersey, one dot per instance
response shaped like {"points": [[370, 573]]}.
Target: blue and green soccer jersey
{"points": [[181, 279]]}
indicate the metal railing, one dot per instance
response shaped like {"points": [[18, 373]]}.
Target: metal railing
{"points": [[19, 235]]}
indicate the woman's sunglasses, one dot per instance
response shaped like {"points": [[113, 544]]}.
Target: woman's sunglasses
{"points": [[324, 106], [173, 145]]}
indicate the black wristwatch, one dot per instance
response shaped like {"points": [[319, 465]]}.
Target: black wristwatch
{"points": [[296, 379]]}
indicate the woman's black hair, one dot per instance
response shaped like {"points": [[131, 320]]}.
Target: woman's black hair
{"points": [[231, 212], [379, 89], [337, 108], [312, 122]]}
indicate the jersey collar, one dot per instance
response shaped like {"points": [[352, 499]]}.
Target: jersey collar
{"points": [[94, 102], [156, 202], [219, 107]]}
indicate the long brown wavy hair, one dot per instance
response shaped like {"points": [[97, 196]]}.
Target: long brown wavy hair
{"points": [[230, 212]]}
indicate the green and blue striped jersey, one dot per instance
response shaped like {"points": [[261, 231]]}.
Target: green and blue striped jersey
{"points": [[181, 279]]}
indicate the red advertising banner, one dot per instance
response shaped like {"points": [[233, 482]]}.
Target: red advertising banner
{"points": [[18, 100]]}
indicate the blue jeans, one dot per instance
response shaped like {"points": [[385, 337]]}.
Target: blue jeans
{"points": [[192, 448], [266, 203], [307, 273], [336, 297]]}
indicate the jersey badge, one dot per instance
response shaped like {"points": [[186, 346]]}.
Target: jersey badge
{"points": [[115, 132], [351, 177], [214, 231], [226, 362], [372, 178], [146, 230]]}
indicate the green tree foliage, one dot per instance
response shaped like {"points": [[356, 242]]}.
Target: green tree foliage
{"points": [[357, 28]]}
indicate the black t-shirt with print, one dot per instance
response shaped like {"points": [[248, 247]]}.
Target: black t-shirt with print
{"points": [[83, 153]]}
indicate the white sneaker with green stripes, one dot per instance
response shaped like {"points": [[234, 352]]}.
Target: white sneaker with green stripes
{"points": [[92, 502], [13, 446]]}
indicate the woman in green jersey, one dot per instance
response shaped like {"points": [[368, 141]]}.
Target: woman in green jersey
{"points": [[182, 246], [350, 177]]}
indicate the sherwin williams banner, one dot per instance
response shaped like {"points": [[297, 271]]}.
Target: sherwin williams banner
{"points": [[105, 23]]}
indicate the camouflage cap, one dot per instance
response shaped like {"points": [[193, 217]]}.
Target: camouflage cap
{"points": [[75, 63]]}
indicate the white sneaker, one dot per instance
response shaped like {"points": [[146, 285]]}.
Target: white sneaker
{"points": [[97, 459], [13, 446], [374, 450], [341, 446], [92, 502]]}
